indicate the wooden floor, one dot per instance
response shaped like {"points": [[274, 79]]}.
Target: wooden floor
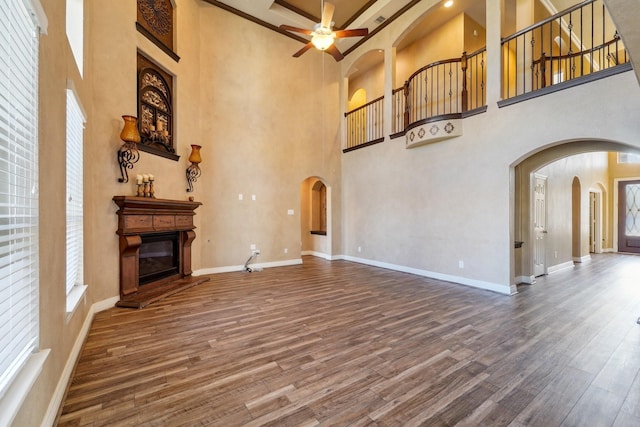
{"points": [[343, 344]]}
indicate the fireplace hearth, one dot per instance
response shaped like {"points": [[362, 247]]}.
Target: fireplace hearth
{"points": [[155, 248]]}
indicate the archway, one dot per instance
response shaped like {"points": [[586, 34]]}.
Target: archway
{"points": [[577, 247], [315, 217]]}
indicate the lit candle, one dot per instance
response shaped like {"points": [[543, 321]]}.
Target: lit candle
{"points": [[145, 178], [139, 179], [165, 132], [159, 124], [152, 128], [150, 177]]}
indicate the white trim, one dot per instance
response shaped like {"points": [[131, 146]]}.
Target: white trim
{"points": [[58, 394], [582, 259], [17, 392], [480, 284], [231, 268], [558, 267], [38, 15], [74, 297], [527, 280], [316, 254]]}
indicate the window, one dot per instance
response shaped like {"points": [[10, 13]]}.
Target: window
{"points": [[628, 158], [75, 210], [75, 30], [18, 193]]}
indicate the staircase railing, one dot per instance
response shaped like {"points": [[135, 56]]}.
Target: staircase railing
{"points": [[571, 44]]}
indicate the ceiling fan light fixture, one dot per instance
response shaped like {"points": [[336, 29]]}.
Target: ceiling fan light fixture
{"points": [[322, 40]]}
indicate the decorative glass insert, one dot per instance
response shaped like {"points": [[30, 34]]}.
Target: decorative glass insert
{"points": [[632, 224]]}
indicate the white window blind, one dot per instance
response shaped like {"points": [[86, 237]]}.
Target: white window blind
{"points": [[18, 189], [75, 247]]}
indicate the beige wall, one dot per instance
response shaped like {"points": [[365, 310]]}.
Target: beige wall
{"points": [[231, 81], [266, 123]]}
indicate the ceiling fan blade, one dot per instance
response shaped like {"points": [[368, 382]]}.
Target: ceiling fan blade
{"points": [[295, 29], [352, 33], [303, 50], [327, 15], [333, 51]]}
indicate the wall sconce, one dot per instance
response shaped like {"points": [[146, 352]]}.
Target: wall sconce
{"points": [[193, 171], [128, 154]]}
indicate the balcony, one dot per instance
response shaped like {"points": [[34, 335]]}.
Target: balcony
{"points": [[572, 47]]}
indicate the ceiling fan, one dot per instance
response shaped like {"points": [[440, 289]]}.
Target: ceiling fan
{"points": [[322, 36]]}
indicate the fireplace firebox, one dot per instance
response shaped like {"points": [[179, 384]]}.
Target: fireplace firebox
{"points": [[155, 248], [158, 257]]}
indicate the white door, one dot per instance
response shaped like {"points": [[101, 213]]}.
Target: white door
{"points": [[539, 224]]}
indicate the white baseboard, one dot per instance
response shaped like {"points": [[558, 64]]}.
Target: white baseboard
{"points": [[61, 387], [480, 284], [231, 268], [558, 267], [585, 258], [317, 255], [527, 280]]}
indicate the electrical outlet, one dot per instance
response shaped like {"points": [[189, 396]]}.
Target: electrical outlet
{"points": [[240, 196], [256, 252], [286, 250], [359, 248], [253, 246], [461, 264]]}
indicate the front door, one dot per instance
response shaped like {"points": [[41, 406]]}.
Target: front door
{"points": [[539, 225], [629, 216]]}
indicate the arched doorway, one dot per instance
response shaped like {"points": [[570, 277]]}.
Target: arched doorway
{"points": [[315, 217], [586, 201]]}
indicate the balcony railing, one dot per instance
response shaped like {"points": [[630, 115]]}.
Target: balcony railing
{"points": [[445, 88], [571, 47], [571, 44], [438, 90]]}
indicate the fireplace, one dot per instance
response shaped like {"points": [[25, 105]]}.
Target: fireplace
{"points": [[155, 248], [158, 257]]}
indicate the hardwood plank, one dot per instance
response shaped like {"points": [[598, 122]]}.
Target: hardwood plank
{"points": [[340, 343]]}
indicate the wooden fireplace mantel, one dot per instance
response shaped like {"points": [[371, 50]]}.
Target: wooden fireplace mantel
{"points": [[139, 216]]}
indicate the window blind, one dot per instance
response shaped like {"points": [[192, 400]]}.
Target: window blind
{"points": [[75, 238], [18, 189]]}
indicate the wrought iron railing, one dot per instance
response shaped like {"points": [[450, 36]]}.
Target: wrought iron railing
{"points": [[443, 88], [571, 44], [452, 86], [397, 111], [365, 124]]}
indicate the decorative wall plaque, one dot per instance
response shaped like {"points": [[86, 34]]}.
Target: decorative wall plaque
{"points": [[155, 21], [155, 109]]}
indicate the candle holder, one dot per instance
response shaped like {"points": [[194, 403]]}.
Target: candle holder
{"points": [[128, 153], [193, 171], [140, 192]]}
